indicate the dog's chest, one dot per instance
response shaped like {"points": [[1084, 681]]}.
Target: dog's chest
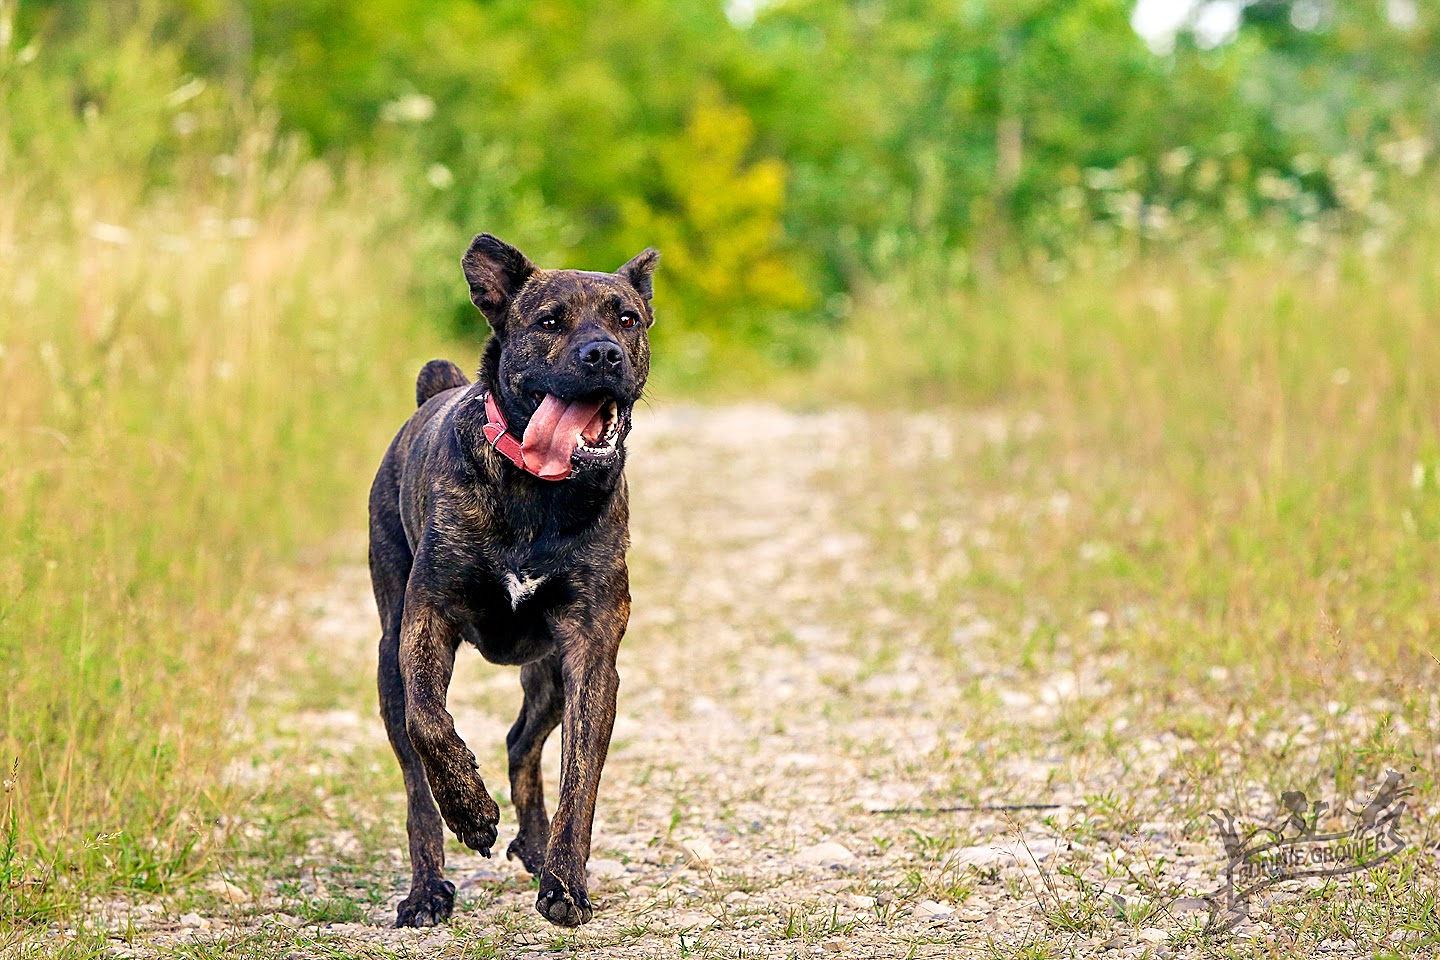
{"points": [[520, 574], [520, 586]]}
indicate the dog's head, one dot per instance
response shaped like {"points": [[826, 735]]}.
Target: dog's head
{"points": [[570, 353]]}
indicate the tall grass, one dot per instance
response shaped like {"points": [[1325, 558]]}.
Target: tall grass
{"points": [[204, 341], [1248, 445]]}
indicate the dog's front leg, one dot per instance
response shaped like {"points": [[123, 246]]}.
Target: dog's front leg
{"points": [[427, 660], [588, 645]]}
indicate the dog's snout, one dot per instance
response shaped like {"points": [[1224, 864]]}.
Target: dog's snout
{"points": [[601, 355]]}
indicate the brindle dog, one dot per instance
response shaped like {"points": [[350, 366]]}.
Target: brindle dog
{"points": [[470, 544]]}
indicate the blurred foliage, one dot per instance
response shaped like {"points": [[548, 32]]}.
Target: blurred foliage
{"points": [[781, 155]]}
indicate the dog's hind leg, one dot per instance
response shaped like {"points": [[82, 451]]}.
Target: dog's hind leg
{"points": [[431, 897], [539, 716]]}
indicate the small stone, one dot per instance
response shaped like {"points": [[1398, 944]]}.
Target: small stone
{"points": [[797, 761], [228, 891], [861, 902], [828, 854], [886, 684], [834, 946], [1189, 904], [193, 921], [1006, 853], [1152, 935], [931, 908], [698, 850], [973, 914], [606, 869], [692, 919]]}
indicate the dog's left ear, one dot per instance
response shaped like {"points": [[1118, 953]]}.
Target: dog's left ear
{"points": [[637, 272], [495, 271]]}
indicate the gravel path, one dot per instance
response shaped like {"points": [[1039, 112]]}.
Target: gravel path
{"points": [[782, 695]]}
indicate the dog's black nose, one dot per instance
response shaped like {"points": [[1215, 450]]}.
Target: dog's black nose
{"points": [[601, 355]]}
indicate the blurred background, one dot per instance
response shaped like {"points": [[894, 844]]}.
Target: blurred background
{"points": [[1197, 236], [785, 156]]}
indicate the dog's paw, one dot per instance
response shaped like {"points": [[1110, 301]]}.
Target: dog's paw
{"points": [[470, 813], [477, 830], [560, 906], [530, 854], [427, 906]]}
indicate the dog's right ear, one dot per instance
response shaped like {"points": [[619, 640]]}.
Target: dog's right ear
{"points": [[495, 271]]}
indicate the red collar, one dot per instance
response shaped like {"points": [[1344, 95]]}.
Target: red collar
{"points": [[497, 431]]}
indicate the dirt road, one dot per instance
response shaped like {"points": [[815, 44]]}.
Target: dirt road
{"points": [[801, 664]]}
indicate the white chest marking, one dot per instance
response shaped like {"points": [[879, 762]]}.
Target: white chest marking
{"points": [[520, 587]]}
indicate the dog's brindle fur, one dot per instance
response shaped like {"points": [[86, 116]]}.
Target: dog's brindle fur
{"points": [[465, 546]]}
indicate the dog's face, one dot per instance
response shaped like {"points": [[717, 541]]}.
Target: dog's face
{"points": [[570, 354]]}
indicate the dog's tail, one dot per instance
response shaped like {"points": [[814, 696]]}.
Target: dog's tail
{"points": [[435, 376]]}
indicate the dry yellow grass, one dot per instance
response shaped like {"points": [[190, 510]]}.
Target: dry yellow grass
{"points": [[1271, 420], [201, 354]]}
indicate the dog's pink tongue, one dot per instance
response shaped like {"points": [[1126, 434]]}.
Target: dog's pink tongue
{"points": [[552, 434]]}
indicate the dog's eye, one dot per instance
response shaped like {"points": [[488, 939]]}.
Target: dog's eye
{"points": [[549, 322], [629, 319]]}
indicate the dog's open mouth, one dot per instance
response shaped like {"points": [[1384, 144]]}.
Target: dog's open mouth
{"points": [[563, 434]]}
